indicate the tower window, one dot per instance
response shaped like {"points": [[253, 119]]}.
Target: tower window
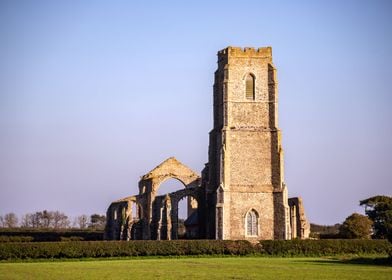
{"points": [[252, 223], [250, 87], [220, 195]]}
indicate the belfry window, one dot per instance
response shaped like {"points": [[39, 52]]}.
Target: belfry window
{"points": [[250, 87], [252, 223]]}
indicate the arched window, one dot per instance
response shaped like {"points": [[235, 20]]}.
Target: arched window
{"points": [[252, 223], [250, 87], [220, 196]]}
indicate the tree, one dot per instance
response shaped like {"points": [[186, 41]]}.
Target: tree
{"points": [[26, 221], [10, 220], [36, 220], [379, 210], [33, 220], [1, 221], [97, 221], [82, 221], [60, 220], [324, 231], [46, 218], [356, 226]]}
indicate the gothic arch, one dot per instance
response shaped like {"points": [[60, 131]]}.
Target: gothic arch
{"points": [[169, 169], [195, 193], [250, 87], [252, 223]]}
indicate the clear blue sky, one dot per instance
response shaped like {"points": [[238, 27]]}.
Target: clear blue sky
{"points": [[93, 94]]}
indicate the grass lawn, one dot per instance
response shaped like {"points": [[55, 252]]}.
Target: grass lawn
{"points": [[202, 268]]}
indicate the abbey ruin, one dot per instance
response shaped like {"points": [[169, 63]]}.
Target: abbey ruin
{"points": [[240, 194]]}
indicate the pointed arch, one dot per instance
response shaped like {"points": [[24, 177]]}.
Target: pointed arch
{"points": [[169, 169], [220, 194], [252, 223], [250, 86]]}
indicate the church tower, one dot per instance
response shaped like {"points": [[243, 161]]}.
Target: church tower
{"points": [[246, 195]]}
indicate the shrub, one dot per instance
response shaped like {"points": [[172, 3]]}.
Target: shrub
{"points": [[71, 238], [325, 247], [16, 238], [356, 226], [92, 249], [45, 235]]}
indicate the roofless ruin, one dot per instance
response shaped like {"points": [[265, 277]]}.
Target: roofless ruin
{"points": [[240, 193]]}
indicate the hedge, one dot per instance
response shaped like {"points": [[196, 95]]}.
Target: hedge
{"points": [[16, 238], [93, 249], [45, 235], [324, 247], [102, 249]]}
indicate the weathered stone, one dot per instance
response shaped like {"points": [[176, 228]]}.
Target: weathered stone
{"points": [[241, 194], [300, 227]]}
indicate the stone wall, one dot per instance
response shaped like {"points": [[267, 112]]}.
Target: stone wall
{"points": [[157, 216], [241, 193], [299, 224], [245, 153]]}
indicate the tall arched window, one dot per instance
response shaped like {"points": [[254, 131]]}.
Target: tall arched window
{"points": [[252, 223], [115, 215], [250, 87]]}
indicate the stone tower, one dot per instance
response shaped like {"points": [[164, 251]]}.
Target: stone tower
{"points": [[241, 192], [245, 192]]}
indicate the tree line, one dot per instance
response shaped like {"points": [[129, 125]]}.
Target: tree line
{"points": [[376, 223], [52, 220]]}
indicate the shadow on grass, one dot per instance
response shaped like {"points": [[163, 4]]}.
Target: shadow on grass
{"points": [[356, 260]]}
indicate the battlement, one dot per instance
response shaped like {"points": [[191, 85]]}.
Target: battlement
{"points": [[245, 52]]}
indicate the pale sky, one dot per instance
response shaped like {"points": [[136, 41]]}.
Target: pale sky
{"points": [[94, 94]]}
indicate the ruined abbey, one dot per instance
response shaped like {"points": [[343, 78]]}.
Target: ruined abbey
{"points": [[240, 194]]}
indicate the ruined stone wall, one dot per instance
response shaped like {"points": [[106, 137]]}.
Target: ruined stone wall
{"points": [[122, 219], [156, 216], [241, 194], [300, 227]]}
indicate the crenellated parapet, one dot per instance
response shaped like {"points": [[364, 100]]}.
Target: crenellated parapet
{"points": [[246, 52]]}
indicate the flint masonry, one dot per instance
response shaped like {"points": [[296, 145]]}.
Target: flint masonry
{"points": [[240, 193]]}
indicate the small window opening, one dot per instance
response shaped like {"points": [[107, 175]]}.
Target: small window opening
{"points": [[250, 87]]}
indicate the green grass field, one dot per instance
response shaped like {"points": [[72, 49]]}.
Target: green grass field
{"points": [[202, 268]]}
